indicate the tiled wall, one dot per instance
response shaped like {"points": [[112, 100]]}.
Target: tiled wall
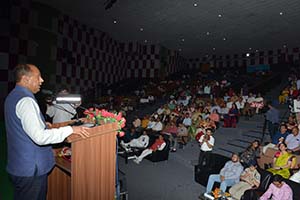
{"points": [[284, 55], [72, 53]]}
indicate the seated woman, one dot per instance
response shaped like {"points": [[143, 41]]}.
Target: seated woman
{"points": [[282, 162], [210, 124], [231, 118], [251, 154], [284, 95], [214, 116]]}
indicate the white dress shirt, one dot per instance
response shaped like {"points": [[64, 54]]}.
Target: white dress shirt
{"points": [[204, 146], [61, 112], [158, 126], [28, 111]]}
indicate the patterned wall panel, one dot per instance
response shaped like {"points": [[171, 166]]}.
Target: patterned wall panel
{"points": [[86, 56], [143, 61], [274, 56]]}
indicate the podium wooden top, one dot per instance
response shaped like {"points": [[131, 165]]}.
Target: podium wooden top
{"points": [[93, 131]]}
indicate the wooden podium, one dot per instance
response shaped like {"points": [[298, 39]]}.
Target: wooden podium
{"points": [[91, 173]]}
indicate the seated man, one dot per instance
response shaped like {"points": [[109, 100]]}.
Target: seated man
{"points": [[140, 142], [249, 178], [158, 125], [279, 137], [293, 141], [229, 175], [159, 145], [278, 190], [187, 121]]}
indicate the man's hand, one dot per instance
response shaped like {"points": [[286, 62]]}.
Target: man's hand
{"points": [[48, 125], [222, 178], [81, 131], [281, 139]]}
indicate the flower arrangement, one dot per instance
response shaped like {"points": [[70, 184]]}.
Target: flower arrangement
{"points": [[104, 116]]}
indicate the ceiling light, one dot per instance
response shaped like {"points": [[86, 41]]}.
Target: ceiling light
{"points": [[145, 41], [195, 4], [284, 46], [182, 39], [115, 21], [219, 15], [281, 13], [207, 33], [141, 29], [247, 54], [256, 50], [214, 49], [224, 38]]}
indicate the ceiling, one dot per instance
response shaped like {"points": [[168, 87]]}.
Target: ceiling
{"points": [[194, 27]]}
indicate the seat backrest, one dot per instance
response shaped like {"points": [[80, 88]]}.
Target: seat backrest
{"points": [[265, 179]]}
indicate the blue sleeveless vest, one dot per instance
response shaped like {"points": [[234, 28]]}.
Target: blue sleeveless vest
{"points": [[24, 157]]}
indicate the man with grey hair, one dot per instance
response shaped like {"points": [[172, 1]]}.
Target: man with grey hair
{"points": [[29, 155]]}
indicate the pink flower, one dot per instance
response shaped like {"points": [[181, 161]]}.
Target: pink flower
{"points": [[121, 133], [104, 113], [97, 111], [119, 116], [86, 112]]}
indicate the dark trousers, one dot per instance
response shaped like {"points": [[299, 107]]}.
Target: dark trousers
{"points": [[205, 158], [29, 188], [273, 127]]}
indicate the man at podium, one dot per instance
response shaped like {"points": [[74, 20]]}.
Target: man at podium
{"points": [[30, 156]]}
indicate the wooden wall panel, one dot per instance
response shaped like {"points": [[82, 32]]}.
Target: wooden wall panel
{"points": [[60, 183], [93, 168], [91, 174]]}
